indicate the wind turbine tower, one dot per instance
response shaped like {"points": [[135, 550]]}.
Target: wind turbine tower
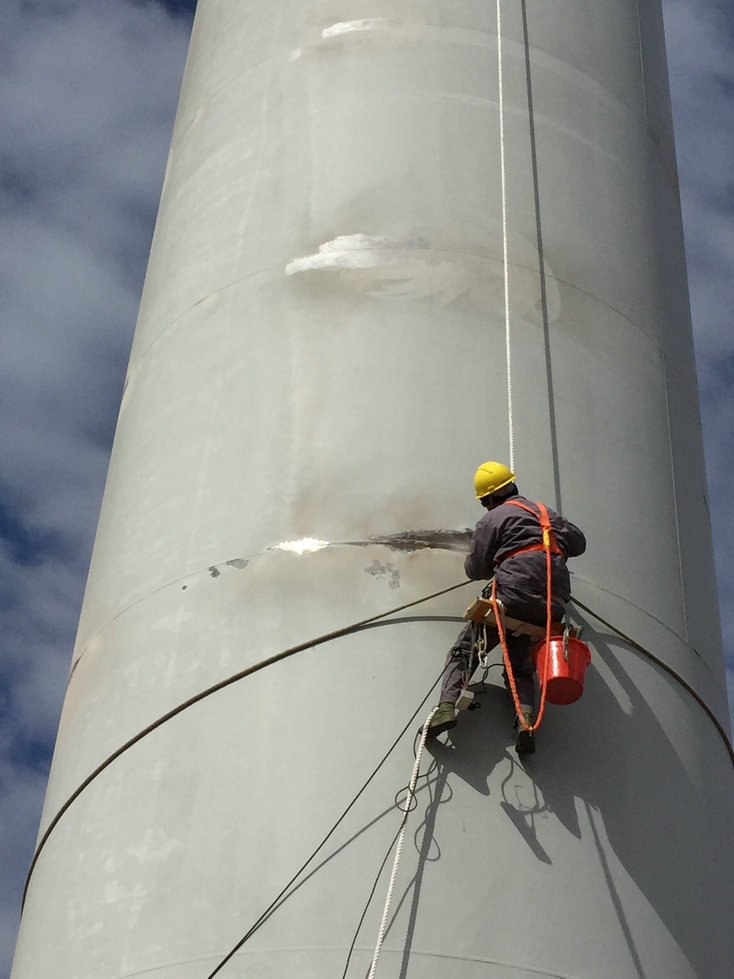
{"points": [[397, 238]]}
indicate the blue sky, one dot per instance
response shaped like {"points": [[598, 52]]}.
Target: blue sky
{"points": [[88, 89]]}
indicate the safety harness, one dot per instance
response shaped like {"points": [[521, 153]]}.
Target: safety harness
{"points": [[548, 543], [550, 546]]}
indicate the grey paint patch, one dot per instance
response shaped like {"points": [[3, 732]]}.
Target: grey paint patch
{"points": [[238, 562], [214, 571], [379, 570]]}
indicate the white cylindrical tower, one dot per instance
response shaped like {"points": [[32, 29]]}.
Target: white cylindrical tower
{"points": [[396, 238]]}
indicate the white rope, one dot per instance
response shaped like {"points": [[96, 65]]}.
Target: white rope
{"points": [[399, 848], [505, 249]]}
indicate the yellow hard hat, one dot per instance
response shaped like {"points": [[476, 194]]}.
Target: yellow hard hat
{"points": [[490, 477]]}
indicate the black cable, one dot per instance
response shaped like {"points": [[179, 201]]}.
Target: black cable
{"points": [[202, 695], [282, 895], [668, 669]]}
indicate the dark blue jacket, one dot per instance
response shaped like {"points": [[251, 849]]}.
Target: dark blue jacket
{"points": [[521, 580]]}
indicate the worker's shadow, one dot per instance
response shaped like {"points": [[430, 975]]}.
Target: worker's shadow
{"points": [[471, 751], [482, 740], [479, 741], [592, 775]]}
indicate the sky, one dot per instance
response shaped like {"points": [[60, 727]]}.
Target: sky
{"points": [[88, 91]]}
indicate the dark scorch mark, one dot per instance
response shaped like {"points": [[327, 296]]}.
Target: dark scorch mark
{"points": [[418, 540]]}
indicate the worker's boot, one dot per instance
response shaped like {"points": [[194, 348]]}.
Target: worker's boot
{"points": [[443, 719], [524, 739]]}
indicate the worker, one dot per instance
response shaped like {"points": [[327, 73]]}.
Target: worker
{"points": [[507, 545]]}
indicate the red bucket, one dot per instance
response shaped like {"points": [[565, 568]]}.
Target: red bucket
{"points": [[564, 666]]}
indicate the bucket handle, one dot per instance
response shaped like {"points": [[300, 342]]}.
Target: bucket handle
{"points": [[567, 636]]}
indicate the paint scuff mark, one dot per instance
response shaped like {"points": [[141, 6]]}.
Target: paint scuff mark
{"points": [[238, 562], [437, 264], [214, 571], [391, 267], [379, 570], [350, 26]]}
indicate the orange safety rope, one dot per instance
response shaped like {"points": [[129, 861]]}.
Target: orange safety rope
{"points": [[549, 546]]}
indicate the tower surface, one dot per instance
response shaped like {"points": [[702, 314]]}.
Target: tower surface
{"points": [[397, 238]]}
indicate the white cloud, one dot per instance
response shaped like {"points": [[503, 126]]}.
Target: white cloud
{"points": [[699, 39], [88, 89]]}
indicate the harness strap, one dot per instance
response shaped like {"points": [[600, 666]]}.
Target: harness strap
{"points": [[550, 546], [549, 542], [521, 550]]}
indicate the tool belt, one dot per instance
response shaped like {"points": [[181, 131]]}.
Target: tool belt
{"points": [[481, 611]]}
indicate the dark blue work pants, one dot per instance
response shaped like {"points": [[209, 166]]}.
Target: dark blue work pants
{"points": [[521, 660]]}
